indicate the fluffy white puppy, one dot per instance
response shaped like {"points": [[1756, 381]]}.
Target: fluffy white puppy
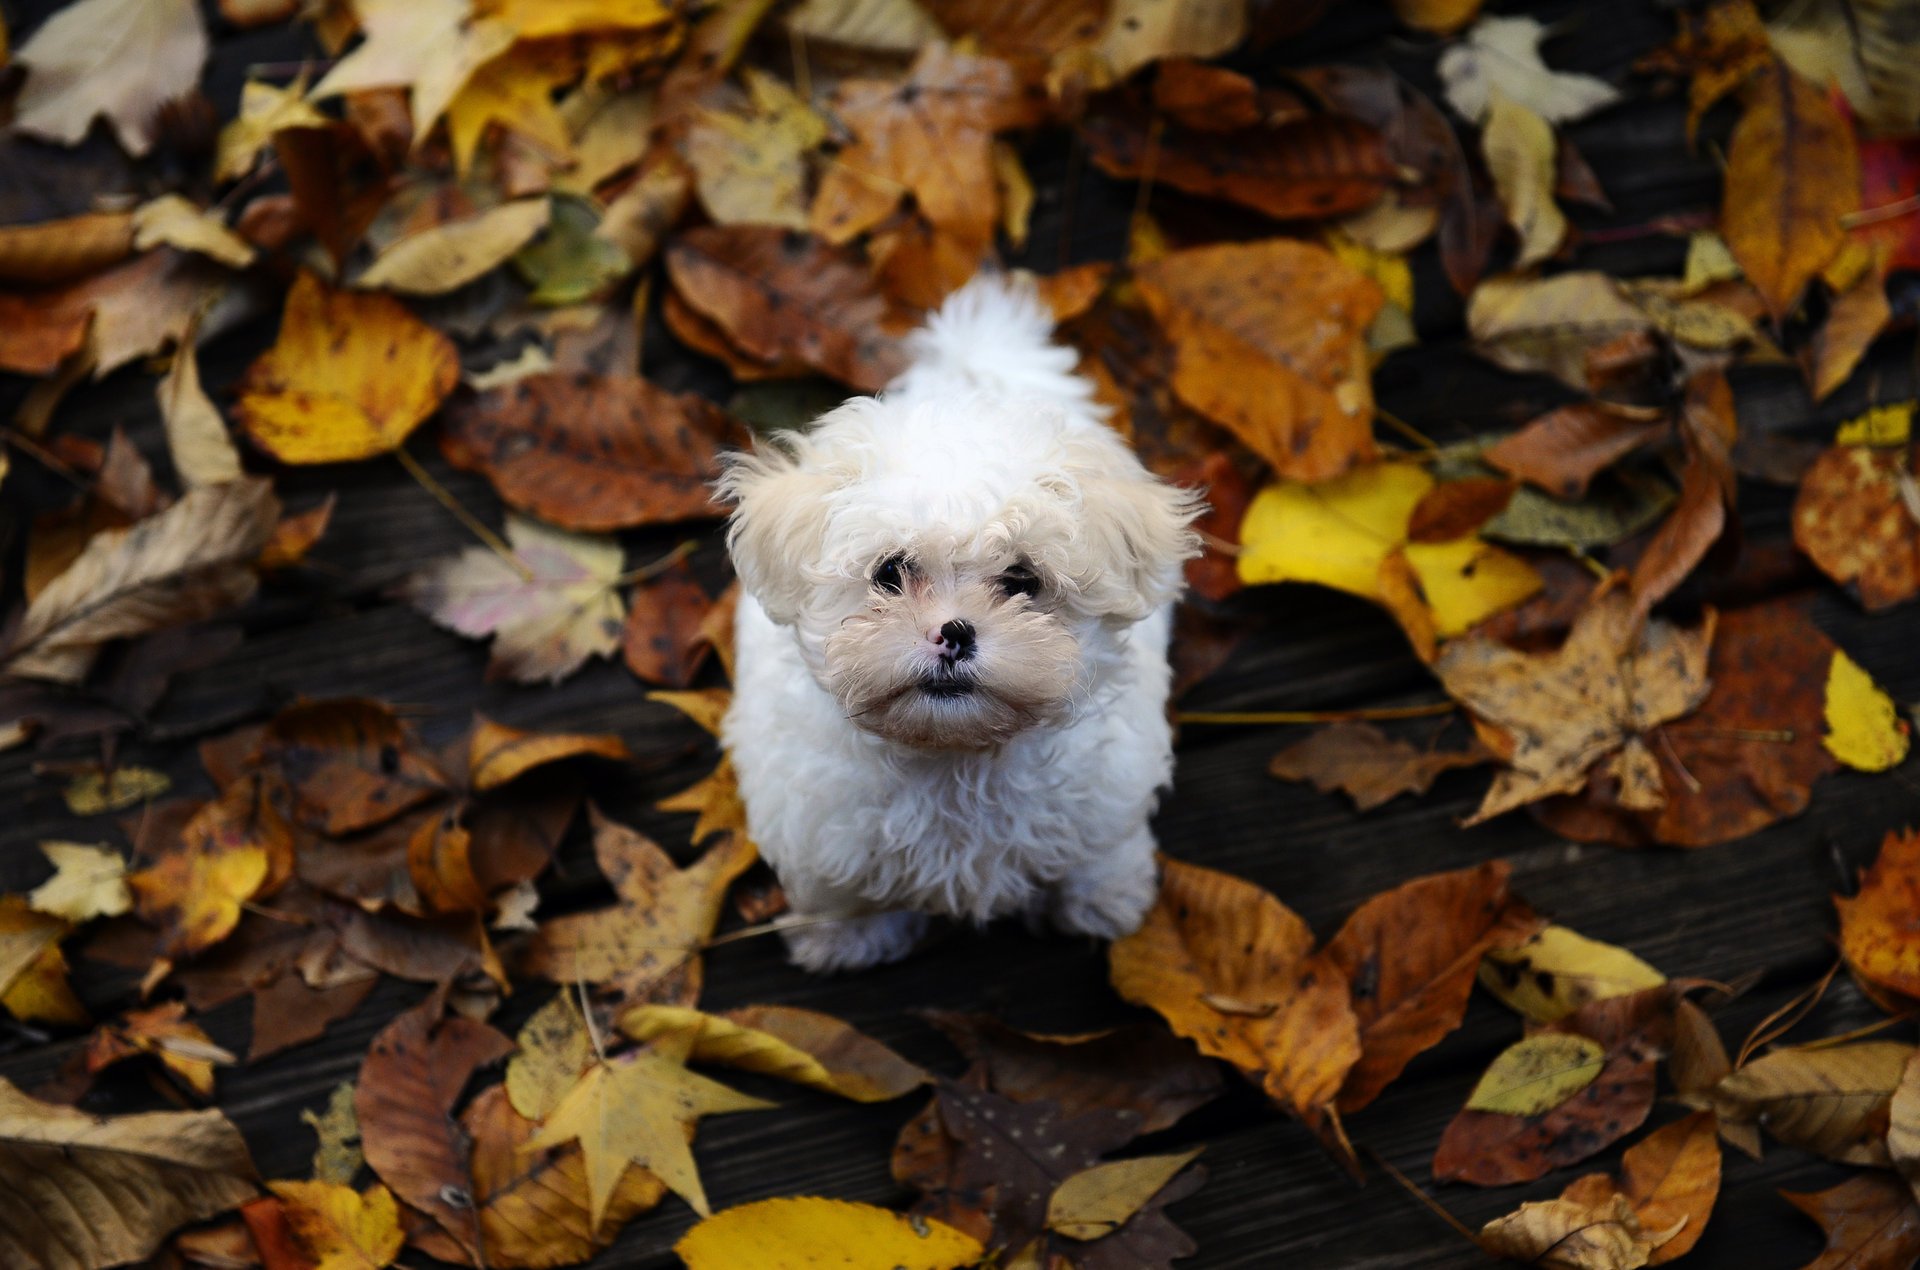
{"points": [[951, 672]]}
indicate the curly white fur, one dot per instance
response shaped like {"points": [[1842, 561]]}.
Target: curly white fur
{"points": [[931, 739]]}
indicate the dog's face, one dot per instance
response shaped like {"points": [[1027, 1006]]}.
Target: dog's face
{"points": [[955, 578]]}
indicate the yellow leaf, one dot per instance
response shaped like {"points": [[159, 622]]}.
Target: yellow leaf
{"points": [[431, 47], [540, 19], [1889, 425], [340, 1228], [553, 1050], [173, 221], [705, 706], [224, 857], [639, 1110], [497, 754], [514, 90], [1558, 971], [1864, 730], [1466, 581], [1538, 1073], [197, 440], [1335, 533], [95, 793], [264, 110], [350, 375], [802, 1046], [1389, 269], [714, 799], [808, 1232], [750, 168], [33, 970], [1098, 1201], [1519, 146], [88, 882], [1708, 261], [447, 257]]}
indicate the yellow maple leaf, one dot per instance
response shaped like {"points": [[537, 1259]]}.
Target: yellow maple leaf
{"points": [[1864, 729], [226, 855], [341, 1228], [640, 1110], [514, 90]]}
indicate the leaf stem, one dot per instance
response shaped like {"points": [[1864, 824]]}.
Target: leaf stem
{"points": [[473, 523], [659, 566], [1260, 717], [1886, 211]]}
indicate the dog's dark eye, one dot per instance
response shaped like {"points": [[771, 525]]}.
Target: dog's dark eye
{"points": [[887, 574], [1019, 580]]}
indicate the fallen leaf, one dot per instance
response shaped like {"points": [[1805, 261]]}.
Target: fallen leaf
{"points": [[449, 256], [1366, 764], [1409, 956], [229, 851], [412, 1076], [547, 623], [1519, 146], [1436, 17], [639, 1109], [1337, 533], [1556, 971], [1138, 32], [1213, 939], [1708, 488], [33, 970], [779, 295], [264, 110], [163, 1032], [1550, 324], [1494, 1148], [49, 253], [664, 641], [1872, 1223], [349, 763], [174, 221], [551, 1053], [750, 163], [575, 261], [1864, 729], [515, 90], [1671, 1178], [1538, 1074], [1832, 1102], [1562, 712], [798, 1232], [1855, 319], [106, 1190], [648, 945], [498, 754], [1903, 1125], [1503, 54], [152, 53], [1563, 1234], [430, 47], [88, 882], [341, 1228], [1099, 1200], [337, 1156], [1560, 451], [1855, 518], [1792, 173], [197, 440], [1298, 395], [350, 376], [802, 1046], [1888, 424], [593, 452], [181, 565], [1880, 925], [95, 792]]}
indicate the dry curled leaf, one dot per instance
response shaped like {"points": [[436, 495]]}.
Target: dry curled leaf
{"points": [[802, 1046], [1671, 1178], [1564, 1234], [498, 754]]}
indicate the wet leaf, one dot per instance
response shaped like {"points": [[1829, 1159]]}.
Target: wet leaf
{"points": [[795, 1233], [1366, 764], [593, 452], [1880, 925], [152, 52], [1556, 971], [350, 376], [108, 1189]]}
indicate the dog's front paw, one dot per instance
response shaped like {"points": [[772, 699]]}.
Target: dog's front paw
{"points": [[1107, 905], [829, 945]]}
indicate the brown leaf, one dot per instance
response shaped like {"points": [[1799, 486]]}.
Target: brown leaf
{"points": [[408, 1085], [58, 251], [1872, 1223], [1671, 1178], [1410, 955], [593, 452], [184, 564], [233, 849], [780, 295], [1568, 1234], [1880, 925], [1454, 509], [1707, 490], [663, 642], [1831, 1101], [1366, 764], [1209, 98], [1490, 1148], [1793, 171], [440, 865], [1298, 394], [1562, 450], [348, 762], [164, 1032], [1227, 966], [1854, 320], [1858, 518]]}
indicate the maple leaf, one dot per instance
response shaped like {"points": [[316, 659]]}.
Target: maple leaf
{"points": [[340, 1227], [514, 90], [1560, 713], [640, 1109], [350, 376], [124, 59], [1501, 54], [231, 850], [547, 622]]}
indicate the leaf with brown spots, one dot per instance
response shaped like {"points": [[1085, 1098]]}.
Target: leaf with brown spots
{"points": [[780, 295], [1410, 955], [1367, 765], [1562, 450], [1298, 393], [1872, 1223], [408, 1085], [664, 640], [593, 452], [1491, 1148], [1880, 926], [348, 762], [1858, 518]]}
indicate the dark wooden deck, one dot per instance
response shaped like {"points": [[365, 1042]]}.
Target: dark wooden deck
{"points": [[1272, 1198]]}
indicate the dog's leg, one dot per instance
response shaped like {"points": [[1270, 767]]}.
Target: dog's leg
{"points": [[1108, 897], [827, 937]]}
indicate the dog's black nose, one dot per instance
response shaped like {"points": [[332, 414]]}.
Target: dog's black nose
{"points": [[957, 635]]}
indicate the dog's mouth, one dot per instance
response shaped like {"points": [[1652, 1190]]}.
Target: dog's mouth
{"points": [[946, 685]]}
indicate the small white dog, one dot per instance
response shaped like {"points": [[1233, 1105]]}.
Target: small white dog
{"points": [[951, 662]]}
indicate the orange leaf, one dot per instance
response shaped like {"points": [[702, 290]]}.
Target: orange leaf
{"points": [[349, 763], [1872, 1223], [1562, 450], [1671, 1177], [498, 754], [1854, 517], [1880, 926], [231, 850]]}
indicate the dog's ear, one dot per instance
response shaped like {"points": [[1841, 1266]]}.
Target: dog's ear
{"points": [[1135, 531], [778, 524]]}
